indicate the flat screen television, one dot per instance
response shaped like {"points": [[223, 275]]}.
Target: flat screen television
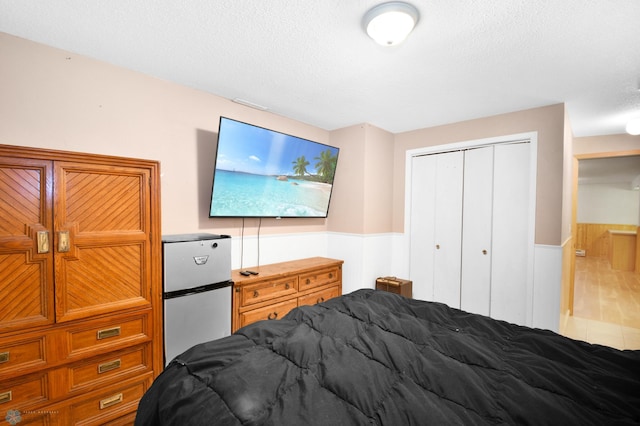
{"points": [[264, 173]]}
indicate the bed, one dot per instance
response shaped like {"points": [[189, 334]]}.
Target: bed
{"points": [[377, 358]]}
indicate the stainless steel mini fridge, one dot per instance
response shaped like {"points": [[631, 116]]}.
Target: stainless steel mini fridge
{"points": [[197, 290]]}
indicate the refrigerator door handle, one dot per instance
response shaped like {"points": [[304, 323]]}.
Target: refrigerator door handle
{"points": [[195, 290]]}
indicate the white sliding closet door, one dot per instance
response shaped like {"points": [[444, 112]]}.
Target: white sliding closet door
{"points": [[470, 242], [423, 178], [436, 235], [477, 224], [448, 232], [511, 241]]}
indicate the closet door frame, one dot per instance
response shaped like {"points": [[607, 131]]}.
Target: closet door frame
{"points": [[532, 139]]}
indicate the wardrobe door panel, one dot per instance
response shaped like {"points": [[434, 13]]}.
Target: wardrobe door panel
{"points": [[102, 239], [26, 258], [477, 224], [510, 298]]}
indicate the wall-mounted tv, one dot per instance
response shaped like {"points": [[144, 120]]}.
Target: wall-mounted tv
{"points": [[264, 173]]}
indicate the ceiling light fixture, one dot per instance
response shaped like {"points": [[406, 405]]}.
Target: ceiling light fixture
{"points": [[633, 127], [390, 23]]}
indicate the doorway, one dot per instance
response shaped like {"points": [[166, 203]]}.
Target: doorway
{"points": [[603, 299]]}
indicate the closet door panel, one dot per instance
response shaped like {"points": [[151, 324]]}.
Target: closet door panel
{"points": [[423, 180], [511, 241], [477, 224], [448, 229]]}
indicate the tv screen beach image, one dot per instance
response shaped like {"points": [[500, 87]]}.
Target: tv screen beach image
{"points": [[264, 173]]}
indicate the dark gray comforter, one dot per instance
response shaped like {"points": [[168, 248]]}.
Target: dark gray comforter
{"points": [[376, 358]]}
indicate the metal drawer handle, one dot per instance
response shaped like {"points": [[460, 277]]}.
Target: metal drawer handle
{"points": [[5, 397], [255, 293], [108, 332], [4, 357], [272, 316], [43, 241], [108, 366], [111, 401]]}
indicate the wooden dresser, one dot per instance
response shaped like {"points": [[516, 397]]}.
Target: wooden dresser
{"points": [[80, 286], [280, 287]]}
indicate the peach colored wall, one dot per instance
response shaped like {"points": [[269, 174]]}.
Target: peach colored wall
{"points": [[363, 192], [547, 121], [605, 144], [57, 100], [347, 200], [378, 188]]}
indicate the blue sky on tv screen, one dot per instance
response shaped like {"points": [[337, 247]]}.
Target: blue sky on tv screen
{"points": [[246, 148]]}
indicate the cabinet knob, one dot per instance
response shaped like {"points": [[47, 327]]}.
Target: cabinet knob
{"points": [[437, 246], [286, 286], [484, 252], [308, 281], [272, 316], [255, 293], [320, 300], [330, 274]]}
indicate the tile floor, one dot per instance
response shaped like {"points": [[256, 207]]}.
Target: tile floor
{"points": [[606, 305]]}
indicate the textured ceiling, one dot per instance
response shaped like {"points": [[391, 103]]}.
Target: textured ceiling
{"points": [[310, 60]]}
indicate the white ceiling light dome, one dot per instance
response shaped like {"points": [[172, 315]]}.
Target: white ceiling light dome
{"points": [[633, 127], [390, 23]]}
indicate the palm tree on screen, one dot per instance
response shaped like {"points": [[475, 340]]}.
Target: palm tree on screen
{"points": [[326, 165], [300, 166]]}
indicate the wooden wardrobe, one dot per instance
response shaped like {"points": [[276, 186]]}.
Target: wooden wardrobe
{"points": [[80, 285]]}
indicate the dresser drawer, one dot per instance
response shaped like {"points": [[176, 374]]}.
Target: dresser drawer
{"points": [[271, 312], [109, 335], [23, 391], [22, 354], [109, 368], [259, 292], [108, 405], [318, 278], [319, 296]]}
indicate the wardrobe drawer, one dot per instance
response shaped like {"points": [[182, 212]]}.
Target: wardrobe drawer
{"points": [[256, 293], [319, 296], [115, 366], [24, 391], [318, 278], [108, 405], [18, 355], [112, 335], [271, 312]]}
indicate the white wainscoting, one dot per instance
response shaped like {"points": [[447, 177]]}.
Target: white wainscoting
{"points": [[274, 248], [367, 257], [547, 287]]}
